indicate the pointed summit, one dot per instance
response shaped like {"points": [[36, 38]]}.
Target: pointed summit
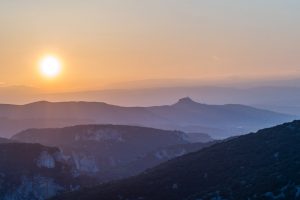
{"points": [[186, 101]]}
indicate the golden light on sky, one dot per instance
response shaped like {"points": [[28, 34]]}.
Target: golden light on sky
{"points": [[50, 66], [111, 41]]}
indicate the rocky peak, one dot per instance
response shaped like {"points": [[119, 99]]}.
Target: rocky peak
{"points": [[186, 101]]}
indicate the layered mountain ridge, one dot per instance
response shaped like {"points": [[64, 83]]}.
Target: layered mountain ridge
{"points": [[111, 152], [263, 165], [219, 121]]}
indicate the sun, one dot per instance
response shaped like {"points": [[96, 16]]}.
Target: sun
{"points": [[50, 66]]}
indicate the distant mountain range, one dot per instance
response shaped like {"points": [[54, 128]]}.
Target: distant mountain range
{"points": [[280, 96], [111, 152], [219, 121], [257, 166]]}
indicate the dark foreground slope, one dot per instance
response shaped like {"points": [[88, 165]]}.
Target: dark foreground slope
{"points": [[262, 165]]}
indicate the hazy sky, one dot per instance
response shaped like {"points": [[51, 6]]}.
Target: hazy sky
{"points": [[101, 42]]}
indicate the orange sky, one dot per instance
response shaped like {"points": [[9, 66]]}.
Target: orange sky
{"points": [[102, 42]]}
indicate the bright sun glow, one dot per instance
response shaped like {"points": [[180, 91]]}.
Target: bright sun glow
{"points": [[50, 66]]}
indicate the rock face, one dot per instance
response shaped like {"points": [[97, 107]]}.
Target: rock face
{"points": [[258, 166], [34, 172], [111, 151], [219, 121], [46, 160]]}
